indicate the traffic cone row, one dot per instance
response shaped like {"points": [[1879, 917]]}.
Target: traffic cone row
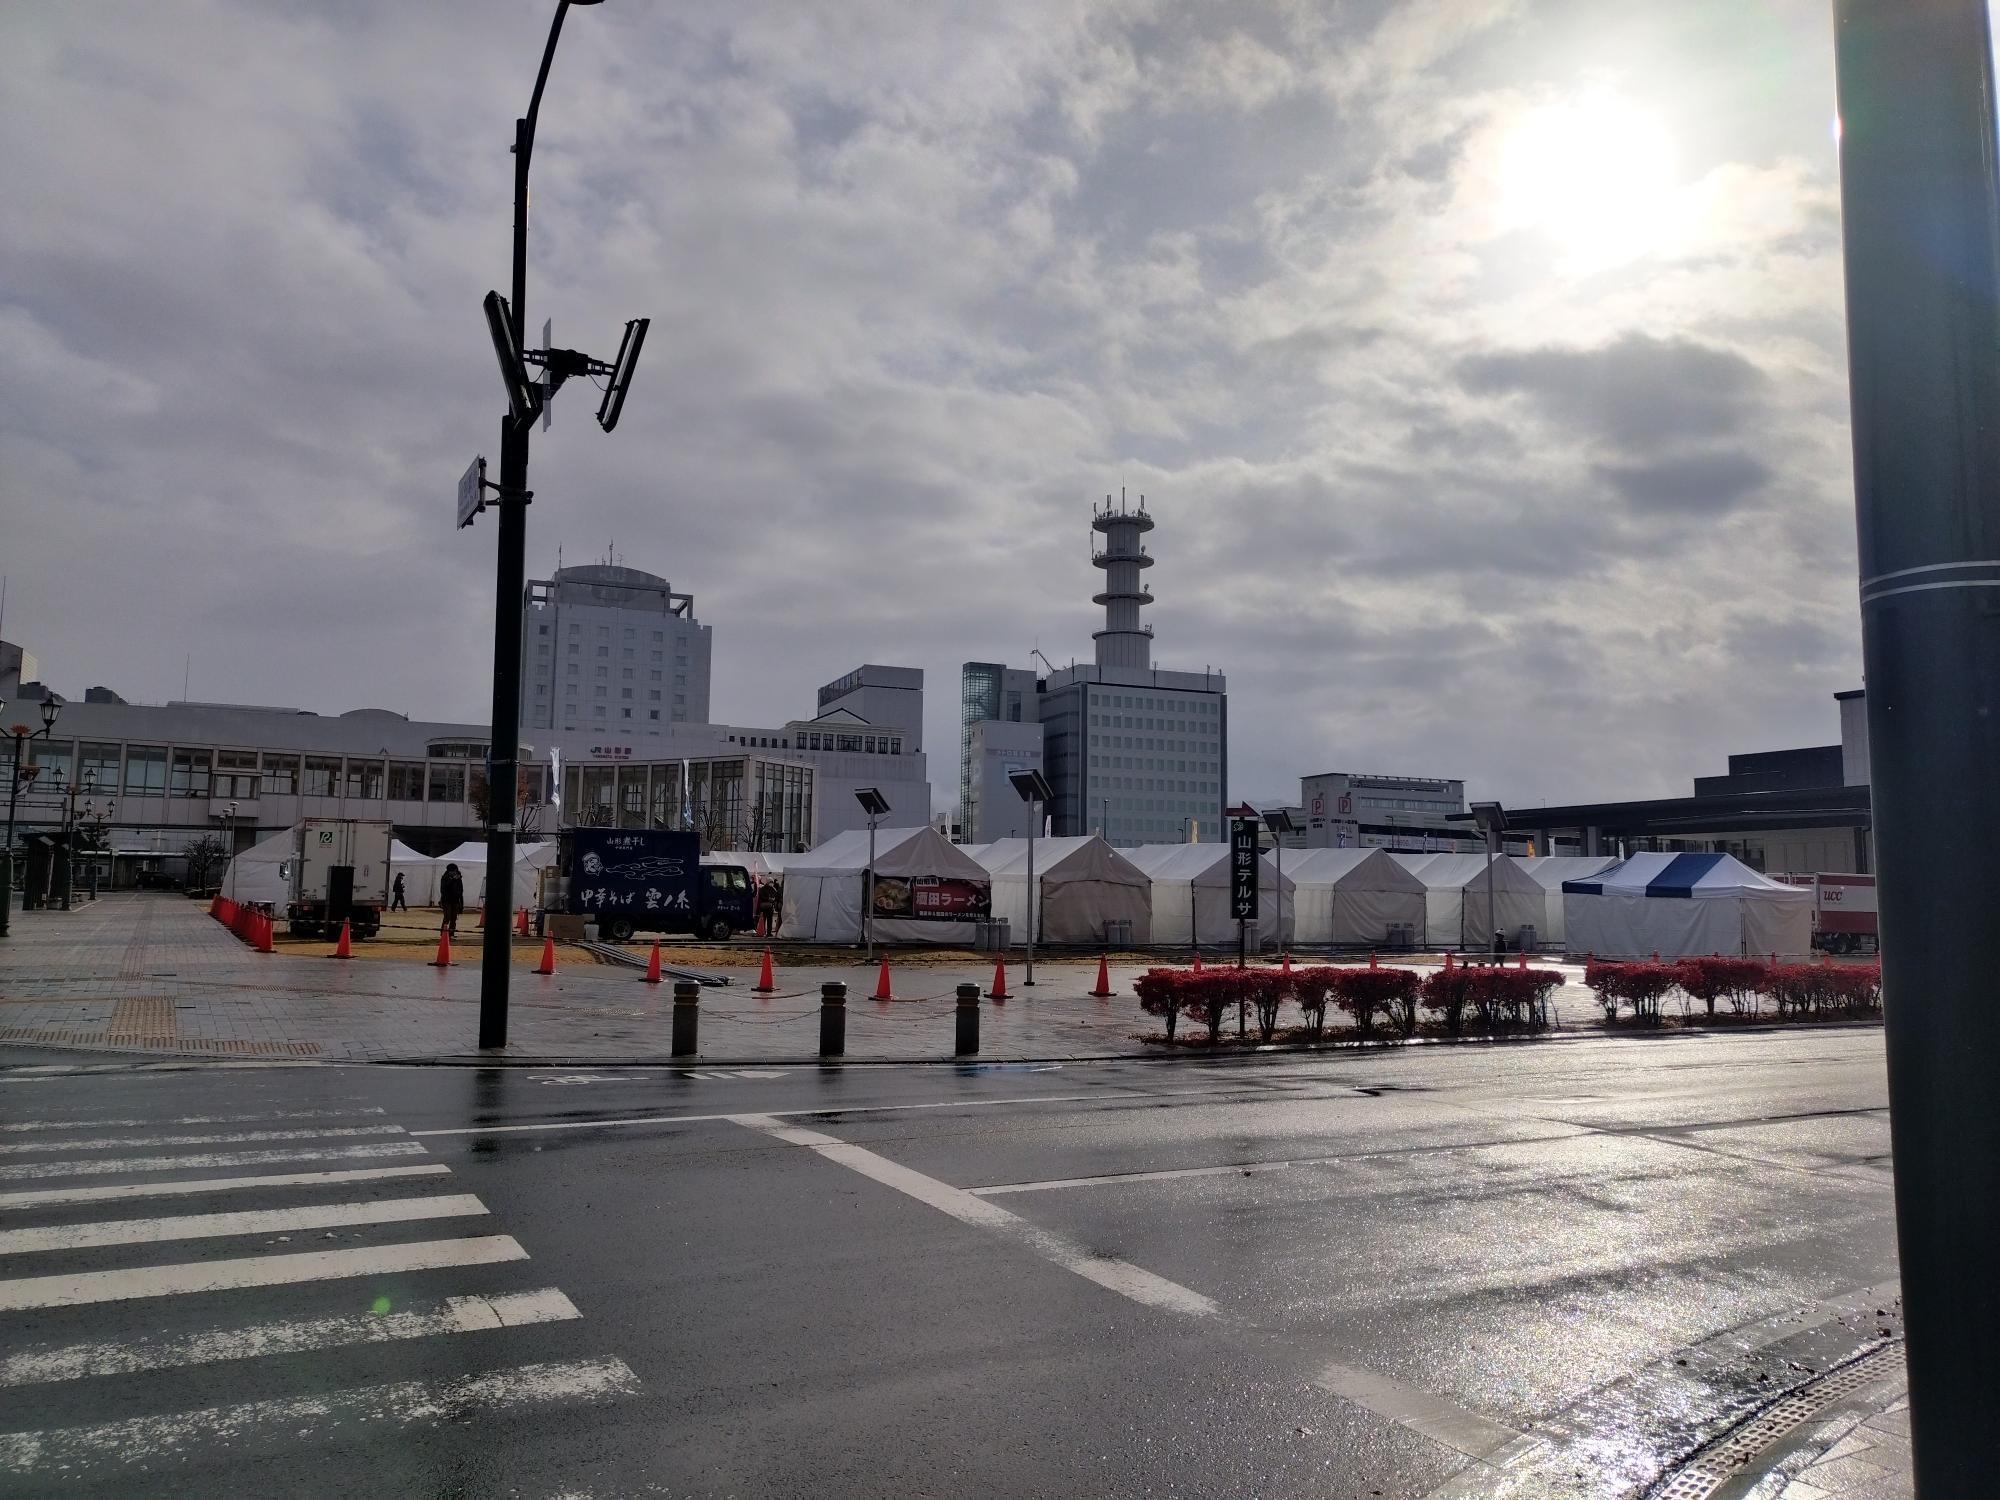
{"points": [[882, 983], [653, 964], [1103, 990], [999, 990], [548, 963], [766, 981], [443, 959], [345, 947]]}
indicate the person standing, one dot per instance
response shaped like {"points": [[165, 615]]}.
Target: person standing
{"points": [[451, 898], [396, 901]]}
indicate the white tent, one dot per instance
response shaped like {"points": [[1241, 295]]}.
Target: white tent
{"points": [[1550, 871], [1455, 898], [1682, 905], [1191, 894], [419, 872], [761, 864], [252, 877], [1352, 896], [1084, 882], [470, 857], [927, 890]]}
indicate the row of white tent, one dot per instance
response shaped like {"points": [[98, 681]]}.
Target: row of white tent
{"points": [[254, 877], [1178, 894]]}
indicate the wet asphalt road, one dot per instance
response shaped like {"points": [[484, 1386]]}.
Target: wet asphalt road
{"points": [[1482, 1270]]}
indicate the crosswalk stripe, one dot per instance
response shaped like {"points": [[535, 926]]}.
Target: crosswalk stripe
{"points": [[214, 1346], [83, 1287], [247, 1221], [25, 1171], [56, 1197], [401, 1403], [276, 1114], [237, 1138]]}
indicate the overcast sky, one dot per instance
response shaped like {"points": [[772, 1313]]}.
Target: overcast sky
{"points": [[1482, 362]]}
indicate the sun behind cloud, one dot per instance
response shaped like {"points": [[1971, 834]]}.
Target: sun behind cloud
{"points": [[1595, 175]]}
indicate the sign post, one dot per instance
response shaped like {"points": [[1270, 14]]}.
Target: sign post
{"points": [[471, 492], [1243, 852]]}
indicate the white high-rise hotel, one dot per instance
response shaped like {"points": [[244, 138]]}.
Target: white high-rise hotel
{"points": [[1130, 750], [614, 650]]}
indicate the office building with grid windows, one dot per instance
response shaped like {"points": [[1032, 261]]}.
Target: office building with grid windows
{"points": [[612, 653]]}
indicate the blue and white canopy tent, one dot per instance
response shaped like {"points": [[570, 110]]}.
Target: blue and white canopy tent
{"points": [[1685, 905]]}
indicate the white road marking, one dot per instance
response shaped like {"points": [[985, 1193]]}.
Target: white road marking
{"points": [[50, 1197], [1112, 1179], [236, 1138], [248, 1221], [1115, 1275], [27, 1171], [832, 1109], [280, 1114], [1436, 1418], [82, 1287], [449, 1315], [402, 1403]]}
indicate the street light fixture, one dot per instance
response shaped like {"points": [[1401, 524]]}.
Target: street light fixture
{"points": [[506, 317], [20, 736], [1034, 790], [874, 804]]}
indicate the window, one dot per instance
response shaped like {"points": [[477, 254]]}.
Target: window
{"points": [[626, 673], [189, 774], [447, 783], [98, 764], [281, 775], [626, 654], [541, 630], [654, 677], [406, 781], [598, 692], [572, 669], [659, 635], [574, 649], [624, 692], [603, 650], [597, 712], [630, 632], [680, 681], [235, 773], [365, 779], [322, 776], [653, 695], [653, 713], [604, 632], [602, 672], [626, 712]]}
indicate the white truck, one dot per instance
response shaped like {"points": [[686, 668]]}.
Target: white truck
{"points": [[1844, 918], [338, 870]]}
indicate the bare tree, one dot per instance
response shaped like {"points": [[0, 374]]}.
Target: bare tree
{"points": [[203, 855]]}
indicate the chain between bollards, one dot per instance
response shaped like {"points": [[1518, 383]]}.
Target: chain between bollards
{"points": [[833, 1018], [687, 1017], [968, 1020]]}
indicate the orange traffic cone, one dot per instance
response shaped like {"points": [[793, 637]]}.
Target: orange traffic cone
{"points": [[1197, 960], [1524, 960], [760, 926], [766, 981], [1447, 963], [1103, 990], [521, 922], [264, 943], [345, 947], [443, 959], [882, 983], [548, 963], [1287, 968], [653, 964], [999, 990], [480, 926], [1371, 960]]}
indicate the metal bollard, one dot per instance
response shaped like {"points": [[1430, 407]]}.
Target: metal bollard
{"points": [[833, 1018], [968, 1019], [687, 1017]]}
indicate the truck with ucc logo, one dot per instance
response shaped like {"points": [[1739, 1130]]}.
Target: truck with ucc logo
{"points": [[338, 871], [650, 880], [1844, 919]]}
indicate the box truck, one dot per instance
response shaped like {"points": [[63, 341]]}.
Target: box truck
{"points": [[1844, 914], [651, 880], [338, 870]]}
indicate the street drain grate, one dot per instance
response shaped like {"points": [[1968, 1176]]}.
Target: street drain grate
{"points": [[1729, 1456]]}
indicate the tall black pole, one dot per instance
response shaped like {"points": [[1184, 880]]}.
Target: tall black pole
{"points": [[503, 754], [1921, 213]]}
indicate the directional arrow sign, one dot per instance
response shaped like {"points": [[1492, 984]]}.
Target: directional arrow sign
{"points": [[471, 493]]}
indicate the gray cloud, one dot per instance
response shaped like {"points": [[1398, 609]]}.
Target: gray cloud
{"points": [[1696, 484], [1638, 390]]}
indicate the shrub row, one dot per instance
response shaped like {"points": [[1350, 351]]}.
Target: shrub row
{"points": [[1817, 990], [1495, 997]]}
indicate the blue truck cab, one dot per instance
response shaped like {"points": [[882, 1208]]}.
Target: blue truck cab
{"points": [[650, 880]]}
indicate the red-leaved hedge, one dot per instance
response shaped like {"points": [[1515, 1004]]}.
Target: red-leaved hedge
{"points": [[1795, 990]]}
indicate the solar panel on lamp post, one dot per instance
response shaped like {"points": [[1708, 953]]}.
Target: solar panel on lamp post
{"points": [[1034, 790]]}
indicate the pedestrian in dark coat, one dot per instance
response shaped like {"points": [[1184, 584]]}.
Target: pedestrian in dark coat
{"points": [[451, 898], [396, 901]]}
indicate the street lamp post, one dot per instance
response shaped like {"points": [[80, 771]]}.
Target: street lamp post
{"points": [[1492, 819], [1920, 224], [874, 804], [21, 737], [68, 827], [1034, 790], [496, 952], [1280, 823]]}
